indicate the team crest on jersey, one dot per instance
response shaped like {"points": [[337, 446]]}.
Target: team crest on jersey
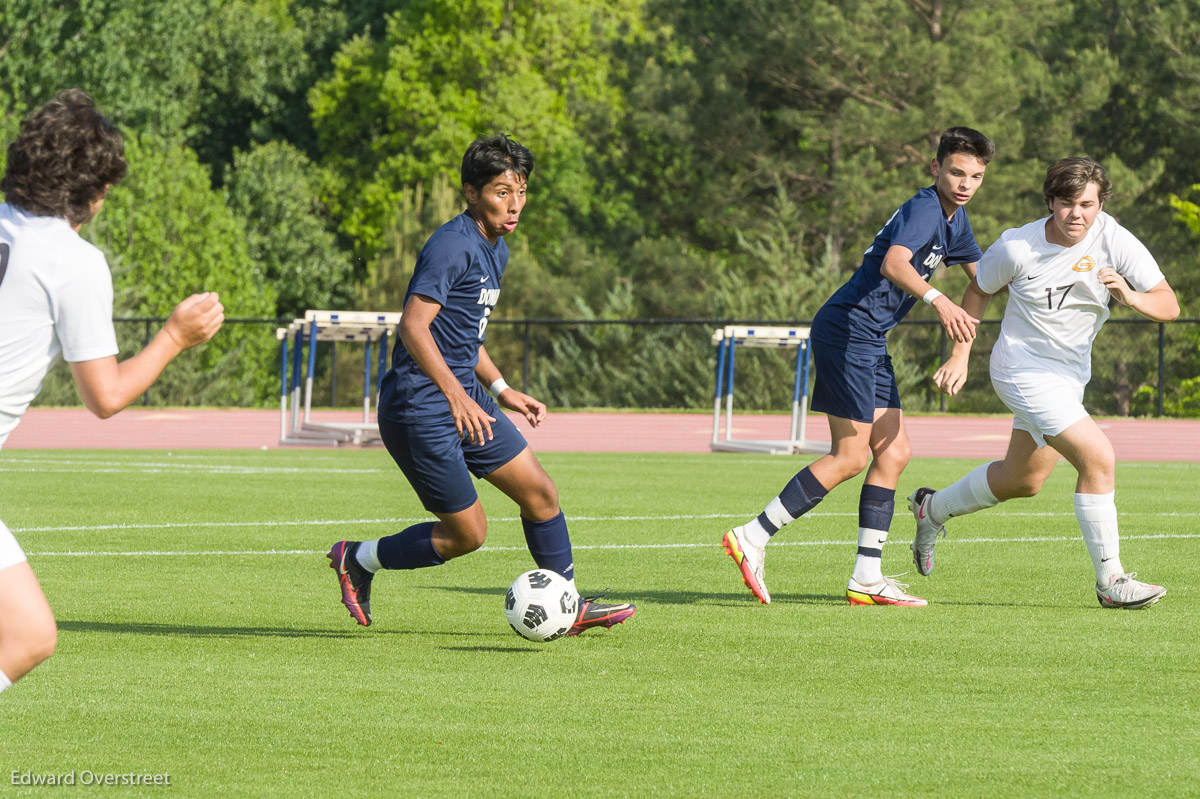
{"points": [[1086, 264]]}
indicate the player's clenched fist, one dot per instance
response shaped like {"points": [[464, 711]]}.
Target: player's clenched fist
{"points": [[196, 319]]}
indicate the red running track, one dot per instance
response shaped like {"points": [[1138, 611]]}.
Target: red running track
{"points": [[932, 436]]}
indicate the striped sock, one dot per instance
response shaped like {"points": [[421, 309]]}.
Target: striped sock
{"points": [[876, 506], [798, 497]]}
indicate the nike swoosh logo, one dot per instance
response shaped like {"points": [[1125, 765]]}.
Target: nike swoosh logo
{"points": [[1105, 560], [483, 279], [937, 246], [1033, 277]]}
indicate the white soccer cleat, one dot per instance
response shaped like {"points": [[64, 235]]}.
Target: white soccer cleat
{"points": [[887, 591], [750, 562], [927, 532], [1125, 592]]}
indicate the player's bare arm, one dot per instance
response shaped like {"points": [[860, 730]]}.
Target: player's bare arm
{"points": [[897, 267], [952, 375], [472, 423], [1159, 303], [488, 373], [106, 386]]}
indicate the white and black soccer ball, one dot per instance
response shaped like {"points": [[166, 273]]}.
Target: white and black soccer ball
{"points": [[541, 605]]}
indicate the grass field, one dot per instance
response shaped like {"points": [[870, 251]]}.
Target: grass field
{"points": [[201, 636]]}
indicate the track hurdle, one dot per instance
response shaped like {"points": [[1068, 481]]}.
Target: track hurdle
{"points": [[727, 340], [368, 327]]}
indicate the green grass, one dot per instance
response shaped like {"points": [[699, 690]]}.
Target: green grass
{"points": [[241, 674]]}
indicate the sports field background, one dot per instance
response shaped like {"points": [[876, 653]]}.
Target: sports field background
{"points": [[201, 636]]}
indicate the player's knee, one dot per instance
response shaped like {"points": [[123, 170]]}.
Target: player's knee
{"points": [[540, 500], [896, 456], [34, 644], [852, 462], [44, 642]]}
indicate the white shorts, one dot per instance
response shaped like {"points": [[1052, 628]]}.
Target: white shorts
{"points": [[1043, 403], [10, 550]]}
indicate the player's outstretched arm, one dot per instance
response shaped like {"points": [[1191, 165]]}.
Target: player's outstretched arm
{"points": [[1159, 303], [487, 372], [472, 423], [952, 375], [106, 386], [897, 267]]}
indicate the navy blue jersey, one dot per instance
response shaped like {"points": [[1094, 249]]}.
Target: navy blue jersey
{"points": [[869, 305], [460, 270]]}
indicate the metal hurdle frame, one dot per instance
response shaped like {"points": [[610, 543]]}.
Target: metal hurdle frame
{"points": [[316, 326], [727, 340]]}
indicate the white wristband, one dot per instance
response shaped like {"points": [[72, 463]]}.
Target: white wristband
{"points": [[931, 295], [499, 385]]}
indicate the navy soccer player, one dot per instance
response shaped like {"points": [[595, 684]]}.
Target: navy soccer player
{"points": [[56, 297], [855, 385], [436, 419]]}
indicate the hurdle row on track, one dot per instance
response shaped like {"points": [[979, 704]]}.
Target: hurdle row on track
{"points": [[726, 340], [366, 327]]}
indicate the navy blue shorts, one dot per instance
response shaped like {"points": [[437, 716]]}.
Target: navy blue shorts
{"points": [[851, 383], [439, 464]]}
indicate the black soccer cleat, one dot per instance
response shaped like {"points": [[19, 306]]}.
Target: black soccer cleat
{"points": [[354, 580], [597, 614]]}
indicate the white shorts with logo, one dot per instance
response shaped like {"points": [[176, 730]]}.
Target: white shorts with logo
{"points": [[10, 550], [1043, 403]]}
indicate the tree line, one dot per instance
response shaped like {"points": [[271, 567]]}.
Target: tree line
{"points": [[694, 158]]}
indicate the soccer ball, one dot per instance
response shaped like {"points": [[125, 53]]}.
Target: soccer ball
{"points": [[541, 605]]}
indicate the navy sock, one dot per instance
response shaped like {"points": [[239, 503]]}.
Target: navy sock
{"points": [[411, 548], [798, 497], [876, 506], [550, 544]]}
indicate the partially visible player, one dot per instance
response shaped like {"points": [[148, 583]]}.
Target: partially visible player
{"points": [[435, 418], [56, 298], [855, 384], [1061, 273]]}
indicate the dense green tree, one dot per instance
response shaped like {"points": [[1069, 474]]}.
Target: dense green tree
{"points": [[276, 191], [401, 111], [168, 234]]}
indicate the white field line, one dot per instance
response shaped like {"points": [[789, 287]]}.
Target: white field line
{"points": [[571, 519], [709, 545]]}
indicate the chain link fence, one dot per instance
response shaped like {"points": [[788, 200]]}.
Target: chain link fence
{"points": [[1139, 368]]}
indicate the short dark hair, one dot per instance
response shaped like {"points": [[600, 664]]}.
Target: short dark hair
{"points": [[489, 156], [965, 140], [65, 156], [1068, 178]]}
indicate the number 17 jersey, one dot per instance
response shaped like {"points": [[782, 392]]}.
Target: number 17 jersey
{"points": [[1056, 303]]}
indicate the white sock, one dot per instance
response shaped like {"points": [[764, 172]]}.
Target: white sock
{"points": [[1097, 516], [367, 556], [755, 534], [868, 566], [4, 682], [971, 493]]}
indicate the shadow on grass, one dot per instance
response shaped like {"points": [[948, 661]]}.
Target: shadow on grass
{"points": [[195, 631], [728, 599], [520, 650]]}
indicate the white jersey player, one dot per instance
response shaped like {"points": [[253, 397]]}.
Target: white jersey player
{"points": [[56, 300], [1061, 273]]}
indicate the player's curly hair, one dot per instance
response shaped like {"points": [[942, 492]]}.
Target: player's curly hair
{"points": [[489, 156], [65, 157], [1067, 178]]}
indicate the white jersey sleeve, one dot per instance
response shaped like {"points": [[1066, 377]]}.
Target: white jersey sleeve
{"points": [[1000, 264]]}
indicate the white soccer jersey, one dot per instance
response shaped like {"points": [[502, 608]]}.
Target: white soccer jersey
{"points": [[56, 297], [1056, 304]]}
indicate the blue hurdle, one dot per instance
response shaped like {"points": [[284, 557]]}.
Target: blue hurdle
{"points": [[368, 327], [727, 340]]}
